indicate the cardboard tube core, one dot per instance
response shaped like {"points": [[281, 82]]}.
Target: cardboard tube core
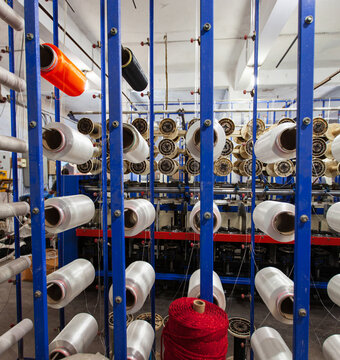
{"points": [[199, 306]]}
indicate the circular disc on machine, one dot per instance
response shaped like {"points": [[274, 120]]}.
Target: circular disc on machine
{"points": [[239, 327]]}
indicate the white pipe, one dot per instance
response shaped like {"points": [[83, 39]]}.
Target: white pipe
{"points": [[277, 292], [14, 267], [194, 290], [10, 17], [277, 144], [268, 344], [333, 289], [140, 337], [75, 338], [13, 144], [139, 279], [135, 148], [331, 347], [12, 336], [336, 148], [67, 212], [66, 283], [139, 214], [276, 219], [195, 221], [193, 140], [333, 216], [20, 208], [11, 81], [61, 142]]}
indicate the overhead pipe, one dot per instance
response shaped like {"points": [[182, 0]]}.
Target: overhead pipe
{"points": [[228, 126], [192, 166], [333, 216], [10, 80], [277, 292], [142, 126], [93, 166], [135, 148], [140, 337], [12, 209], [333, 288], [87, 126], [132, 72], [14, 268], [195, 220], [335, 148], [59, 70], [168, 166], [223, 167], [331, 347], [9, 16]]}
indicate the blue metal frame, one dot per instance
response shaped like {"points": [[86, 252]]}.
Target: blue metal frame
{"points": [[15, 181], [207, 148], [36, 177], [116, 172], [303, 193]]}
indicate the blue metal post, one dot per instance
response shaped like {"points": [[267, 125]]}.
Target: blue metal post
{"points": [[58, 163], [207, 147], [15, 181], [117, 181], [104, 178], [253, 174], [303, 192], [152, 170], [36, 177]]}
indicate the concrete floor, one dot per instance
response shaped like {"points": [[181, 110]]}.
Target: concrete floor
{"points": [[322, 324]]}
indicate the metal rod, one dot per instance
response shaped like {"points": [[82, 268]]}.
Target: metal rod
{"points": [[287, 51]]}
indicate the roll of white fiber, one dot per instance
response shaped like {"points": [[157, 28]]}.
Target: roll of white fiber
{"points": [[335, 147], [139, 279], [20, 208], [14, 267], [64, 284], [277, 144], [194, 289], [135, 148], [276, 219], [75, 338], [333, 216], [13, 335], [277, 292], [333, 289], [63, 143], [11, 81], [140, 337], [193, 140], [195, 221], [67, 212], [268, 344], [8, 15], [331, 347], [10, 143], [139, 214]]}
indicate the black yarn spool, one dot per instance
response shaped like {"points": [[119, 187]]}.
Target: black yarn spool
{"points": [[132, 71]]}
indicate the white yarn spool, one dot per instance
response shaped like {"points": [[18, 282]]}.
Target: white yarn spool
{"points": [[193, 140], [194, 289], [194, 218], [14, 267], [66, 283], [75, 338], [139, 214], [10, 17], [139, 279], [139, 337], [277, 292], [11, 81], [277, 144], [20, 208], [63, 143], [336, 148], [333, 289], [331, 347], [67, 212], [268, 344], [12, 336], [10, 143], [135, 148], [333, 216], [276, 219], [83, 356]]}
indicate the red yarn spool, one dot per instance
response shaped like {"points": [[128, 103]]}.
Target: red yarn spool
{"points": [[189, 335]]}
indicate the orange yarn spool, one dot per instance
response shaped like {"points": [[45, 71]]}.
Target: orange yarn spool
{"points": [[59, 70]]}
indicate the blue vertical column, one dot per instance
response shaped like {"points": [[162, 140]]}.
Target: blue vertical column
{"points": [[104, 178], [15, 180], [152, 169], [303, 193], [36, 177], [117, 180], [58, 163], [207, 148], [253, 172]]}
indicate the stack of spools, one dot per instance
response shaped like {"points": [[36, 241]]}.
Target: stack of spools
{"points": [[196, 329]]}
